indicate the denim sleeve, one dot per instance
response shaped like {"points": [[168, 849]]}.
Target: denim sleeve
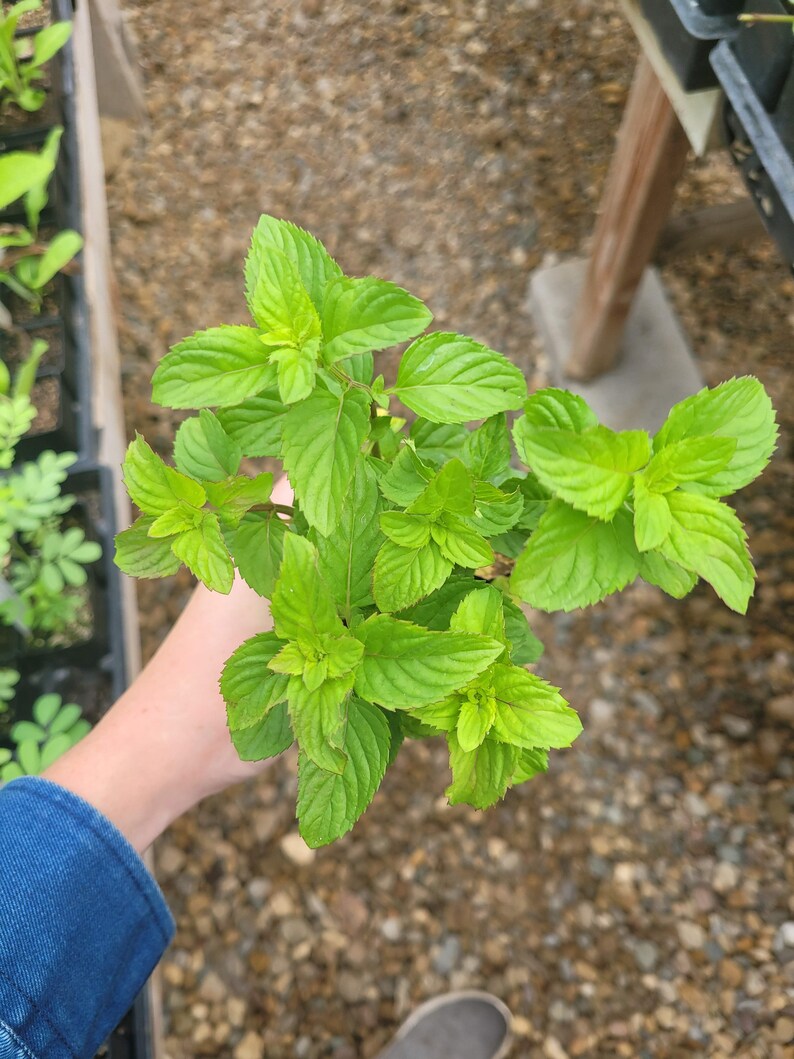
{"points": [[82, 923]]}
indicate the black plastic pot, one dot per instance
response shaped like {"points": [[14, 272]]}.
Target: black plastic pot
{"points": [[757, 146], [687, 30], [67, 313], [764, 51]]}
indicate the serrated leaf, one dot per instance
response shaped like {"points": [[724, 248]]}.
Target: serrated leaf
{"points": [[438, 442], [479, 777], [495, 511], [451, 489], [529, 711], [409, 531], [236, 496], [476, 716], [525, 647], [486, 451], [536, 499], [559, 409], [204, 553], [460, 544], [175, 520], [256, 424], [366, 315], [140, 555], [203, 450], [257, 545], [322, 442], [315, 266], [406, 479], [318, 720], [529, 764], [249, 687], [591, 471], [266, 738], [481, 611], [329, 804], [405, 666], [436, 610], [573, 560], [297, 367], [302, 606], [652, 518], [153, 485], [220, 366], [347, 555], [739, 409], [404, 575], [707, 538], [690, 460], [670, 577], [280, 303], [449, 378]]}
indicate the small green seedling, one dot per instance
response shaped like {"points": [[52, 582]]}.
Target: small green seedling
{"points": [[22, 59], [27, 264], [396, 577], [56, 727], [9, 678], [42, 567]]}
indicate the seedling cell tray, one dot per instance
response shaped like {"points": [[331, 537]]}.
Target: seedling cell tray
{"points": [[687, 30]]}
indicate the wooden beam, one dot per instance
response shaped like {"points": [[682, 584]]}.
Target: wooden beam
{"points": [[649, 158], [710, 228]]}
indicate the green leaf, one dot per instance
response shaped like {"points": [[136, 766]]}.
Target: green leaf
{"points": [[318, 720], [280, 303], [707, 538], [529, 764], [525, 647], [367, 315], [45, 709], [219, 366], [438, 442], [406, 479], [267, 737], [60, 251], [739, 409], [204, 553], [461, 545], [530, 712], [590, 471], [203, 449], [495, 511], [175, 520], [451, 490], [54, 748], [536, 499], [234, 497], [409, 531], [19, 172], [255, 425], [302, 607], [690, 460], [257, 545], [404, 575], [573, 560], [29, 758], [479, 777], [153, 485], [27, 732], [481, 611], [140, 555], [453, 379], [322, 441], [652, 518], [329, 804], [560, 410], [405, 666], [50, 40], [315, 266], [670, 577], [486, 451], [297, 367], [436, 610], [249, 687], [477, 712], [347, 555]]}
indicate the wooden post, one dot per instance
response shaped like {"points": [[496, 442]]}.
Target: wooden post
{"points": [[649, 159]]}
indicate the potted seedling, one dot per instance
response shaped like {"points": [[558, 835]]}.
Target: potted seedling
{"points": [[33, 745], [24, 59], [396, 576]]}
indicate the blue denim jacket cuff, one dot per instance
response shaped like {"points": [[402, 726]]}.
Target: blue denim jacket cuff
{"points": [[82, 922]]}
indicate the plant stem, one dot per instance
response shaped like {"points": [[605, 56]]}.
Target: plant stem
{"points": [[752, 18]]}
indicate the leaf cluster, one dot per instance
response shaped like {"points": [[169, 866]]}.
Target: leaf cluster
{"points": [[55, 728], [395, 578], [22, 59]]}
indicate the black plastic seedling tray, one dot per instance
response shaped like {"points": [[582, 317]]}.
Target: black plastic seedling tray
{"points": [[687, 30]]}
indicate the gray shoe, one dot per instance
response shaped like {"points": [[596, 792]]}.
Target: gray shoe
{"points": [[467, 1025]]}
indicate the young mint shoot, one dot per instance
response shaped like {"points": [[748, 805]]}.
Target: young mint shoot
{"points": [[396, 577]]}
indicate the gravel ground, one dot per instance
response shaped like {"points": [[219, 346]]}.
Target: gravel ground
{"points": [[637, 901]]}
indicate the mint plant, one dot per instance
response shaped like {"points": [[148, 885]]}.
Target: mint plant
{"points": [[396, 575], [22, 59], [56, 727], [42, 567], [27, 264]]}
